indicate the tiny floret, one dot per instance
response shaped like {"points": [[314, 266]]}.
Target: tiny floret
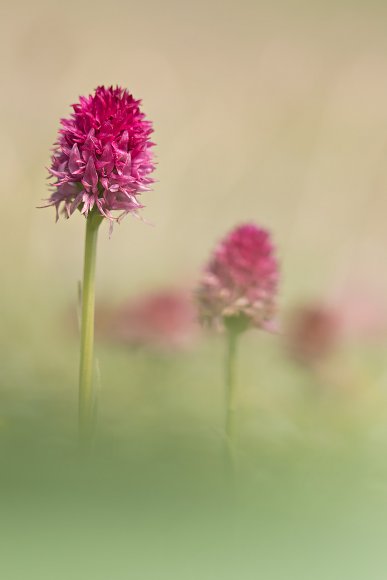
{"points": [[239, 284], [102, 158]]}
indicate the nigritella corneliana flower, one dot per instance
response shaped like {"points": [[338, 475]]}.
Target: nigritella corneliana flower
{"points": [[101, 164], [237, 291], [240, 281], [102, 158]]}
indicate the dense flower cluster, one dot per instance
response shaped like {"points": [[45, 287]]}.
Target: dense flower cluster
{"points": [[240, 281], [102, 158]]}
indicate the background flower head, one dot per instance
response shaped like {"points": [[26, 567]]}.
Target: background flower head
{"points": [[240, 281], [313, 333], [162, 320], [102, 158]]}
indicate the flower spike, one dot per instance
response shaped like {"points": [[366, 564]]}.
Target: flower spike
{"points": [[103, 156]]}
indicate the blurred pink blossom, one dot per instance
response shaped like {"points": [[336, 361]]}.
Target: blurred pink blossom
{"points": [[162, 320], [356, 314], [313, 332], [363, 312], [240, 281]]}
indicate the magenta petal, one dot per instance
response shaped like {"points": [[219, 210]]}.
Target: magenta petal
{"points": [[106, 161], [89, 144], [126, 170], [74, 159], [76, 202], [123, 142], [90, 178]]}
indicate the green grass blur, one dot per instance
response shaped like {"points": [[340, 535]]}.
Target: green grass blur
{"points": [[153, 499]]}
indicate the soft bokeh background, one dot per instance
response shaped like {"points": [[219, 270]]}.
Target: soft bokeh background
{"points": [[266, 111]]}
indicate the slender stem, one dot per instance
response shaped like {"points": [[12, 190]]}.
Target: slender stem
{"points": [[231, 394], [93, 222]]}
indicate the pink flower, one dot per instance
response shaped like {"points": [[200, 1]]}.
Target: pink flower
{"points": [[102, 158], [313, 333], [240, 281], [362, 309], [162, 320]]}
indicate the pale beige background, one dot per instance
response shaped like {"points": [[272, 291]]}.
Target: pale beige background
{"points": [[269, 112]]}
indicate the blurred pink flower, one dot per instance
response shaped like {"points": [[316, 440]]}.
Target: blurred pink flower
{"points": [[240, 281], [356, 312], [363, 313], [163, 320], [313, 333], [102, 158]]}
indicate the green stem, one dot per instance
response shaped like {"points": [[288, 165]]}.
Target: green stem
{"points": [[231, 392], [93, 222]]}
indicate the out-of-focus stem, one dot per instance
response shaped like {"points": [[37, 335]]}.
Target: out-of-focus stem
{"points": [[230, 423]]}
